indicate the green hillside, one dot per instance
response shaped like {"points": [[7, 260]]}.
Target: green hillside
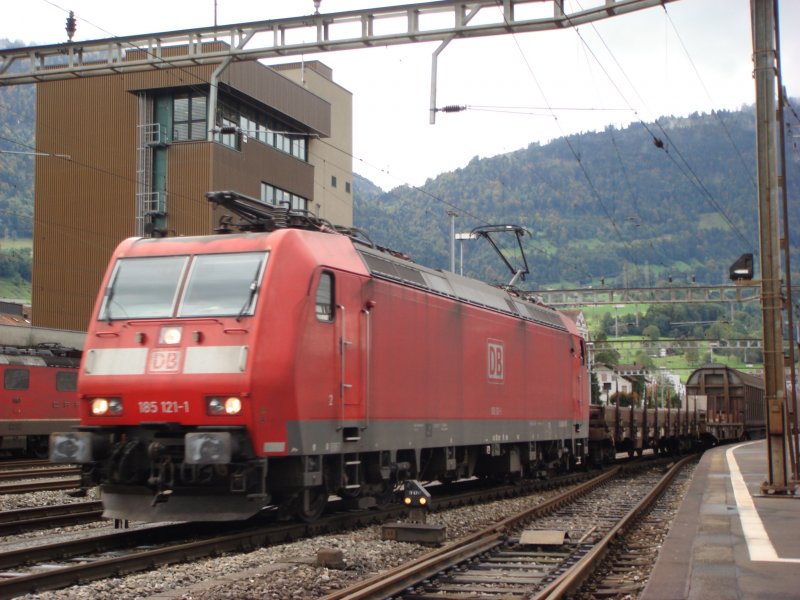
{"points": [[607, 206]]}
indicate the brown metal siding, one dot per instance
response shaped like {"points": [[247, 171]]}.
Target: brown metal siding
{"points": [[85, 206], [188, 179], [251, 78], [169, 78], [244, 171], [275, 90]]}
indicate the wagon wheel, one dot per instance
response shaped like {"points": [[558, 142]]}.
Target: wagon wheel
{"points": [[310, 503]]}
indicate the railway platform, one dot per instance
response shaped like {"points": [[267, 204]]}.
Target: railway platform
{"points": [[728, 540]]}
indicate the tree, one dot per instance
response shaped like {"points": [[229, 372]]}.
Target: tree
{"points": [[607, 356], [651, 332], [692, 355]]}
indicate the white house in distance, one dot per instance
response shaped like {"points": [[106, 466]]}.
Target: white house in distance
{"points": [[611, 382]]}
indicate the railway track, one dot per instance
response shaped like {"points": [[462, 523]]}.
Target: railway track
{"points": [[39, 486], [29, 519], [19, 476], [40, 473], [498, 561], [23, 463], [61, 564]]}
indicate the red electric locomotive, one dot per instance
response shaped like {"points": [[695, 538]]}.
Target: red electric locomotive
{"points": [[223, 374], [38, 396]]}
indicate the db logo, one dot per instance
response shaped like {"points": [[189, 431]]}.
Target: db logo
{"points": [[495, 361], [164, 361]]}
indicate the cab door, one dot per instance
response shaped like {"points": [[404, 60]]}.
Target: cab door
{"points": [[352, 320], [15, 400]]}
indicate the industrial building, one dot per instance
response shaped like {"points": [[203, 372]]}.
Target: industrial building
{"points": [[133, 154]]}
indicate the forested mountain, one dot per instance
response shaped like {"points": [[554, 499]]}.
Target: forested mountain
{"points": [[17, 124], [634, 206]]}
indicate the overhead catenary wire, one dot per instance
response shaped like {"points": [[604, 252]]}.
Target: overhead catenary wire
{"points": [[694, 179], [747, 169], [595, 192]]}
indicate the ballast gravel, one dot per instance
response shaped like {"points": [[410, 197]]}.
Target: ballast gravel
{"points": [[281, 572]]}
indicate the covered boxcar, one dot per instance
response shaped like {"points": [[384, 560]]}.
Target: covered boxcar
{"points": [[734, 401]]}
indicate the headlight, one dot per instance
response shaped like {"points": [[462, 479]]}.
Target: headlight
{"points": [[102, 407], [217, 405], [170, 335]]}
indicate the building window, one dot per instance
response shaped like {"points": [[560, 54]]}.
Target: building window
{"points": [[259, 126], [275, 196], [188, 117], [347, 186], [333, 180]]}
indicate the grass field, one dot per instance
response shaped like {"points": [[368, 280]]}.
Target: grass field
{"points": [[10, 289], [16, 243]]}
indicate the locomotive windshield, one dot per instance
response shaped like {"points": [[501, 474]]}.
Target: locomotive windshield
{"points": [[154, 287]]}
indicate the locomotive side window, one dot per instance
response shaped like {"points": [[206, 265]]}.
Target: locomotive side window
{"points": [[66, 381], [325, 297], [223, 284], [143, 288], [16, 379]]}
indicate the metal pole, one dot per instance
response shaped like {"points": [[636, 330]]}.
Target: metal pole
{"points": [[453, 216], [764, 56], [794, 449]]}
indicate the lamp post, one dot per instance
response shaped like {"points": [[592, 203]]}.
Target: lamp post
{"points": [[461, 237], [452, 216]]}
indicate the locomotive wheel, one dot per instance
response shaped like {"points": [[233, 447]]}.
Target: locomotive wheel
{"points": [[38, 447], [310, 504], [386, 493]]}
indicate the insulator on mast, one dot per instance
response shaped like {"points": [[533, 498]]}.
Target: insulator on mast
{"points": [[452, 108], [72, 25]]}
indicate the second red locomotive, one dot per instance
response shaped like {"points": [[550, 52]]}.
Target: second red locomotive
{"points": [[223, 374], [38, 396]]}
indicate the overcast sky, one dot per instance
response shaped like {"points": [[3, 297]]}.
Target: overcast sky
{"points": [[692, 55]]}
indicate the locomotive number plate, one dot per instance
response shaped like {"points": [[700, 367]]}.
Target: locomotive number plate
{"points": [[164, 361]]}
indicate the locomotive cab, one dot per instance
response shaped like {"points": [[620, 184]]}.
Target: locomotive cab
{"points": [[164, 384]]}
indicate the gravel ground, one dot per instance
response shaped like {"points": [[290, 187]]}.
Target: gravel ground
{"points": [[37, 499], [282, 572]]}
